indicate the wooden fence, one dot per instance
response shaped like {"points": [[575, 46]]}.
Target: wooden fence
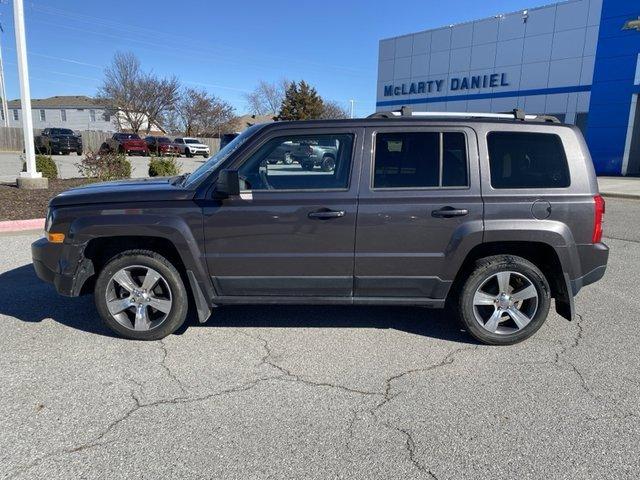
{"points": [[11, 139]]}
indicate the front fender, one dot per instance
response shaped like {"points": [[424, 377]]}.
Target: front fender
{"points": [[182, 228]]}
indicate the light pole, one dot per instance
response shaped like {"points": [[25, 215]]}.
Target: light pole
{"points": [[353, 107], [3, 90], [29, 179]]}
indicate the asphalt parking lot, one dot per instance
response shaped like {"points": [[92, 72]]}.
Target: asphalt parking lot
{"points": [[318, 392]]}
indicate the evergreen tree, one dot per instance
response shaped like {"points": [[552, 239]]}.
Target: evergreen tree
{"points": [[301, 102]]}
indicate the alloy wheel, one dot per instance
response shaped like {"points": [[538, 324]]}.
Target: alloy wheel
{"points": [[505, 303], [138, 298]]}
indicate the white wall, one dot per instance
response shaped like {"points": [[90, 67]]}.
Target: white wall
{"points": [[77, 119]]}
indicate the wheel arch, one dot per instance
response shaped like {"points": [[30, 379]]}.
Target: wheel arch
{"points": [[541, 254]]}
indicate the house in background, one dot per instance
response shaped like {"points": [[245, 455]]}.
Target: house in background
{"points": [[77, 112]]}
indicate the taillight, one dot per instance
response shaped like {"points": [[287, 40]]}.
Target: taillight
{"points": [[598, 217]]}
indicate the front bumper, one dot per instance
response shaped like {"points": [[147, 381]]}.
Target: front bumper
{"points": [[199, 151], [50, 261]]}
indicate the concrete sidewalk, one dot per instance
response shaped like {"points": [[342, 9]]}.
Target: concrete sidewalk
{"points": [[620, 187]]}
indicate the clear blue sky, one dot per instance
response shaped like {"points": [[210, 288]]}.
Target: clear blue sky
{"points": [[225, 47]]}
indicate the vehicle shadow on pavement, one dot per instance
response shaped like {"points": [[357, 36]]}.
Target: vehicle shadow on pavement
{"points": [[26, 298], [31, 300], [415, 320]]}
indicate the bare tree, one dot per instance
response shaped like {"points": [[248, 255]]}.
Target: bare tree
{"points": [[333, 110], [160, 96], [137, 100], [121, 91], [267, 97], [202, 114]]}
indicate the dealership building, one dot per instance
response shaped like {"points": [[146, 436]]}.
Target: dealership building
{"points": [[578, 60]]}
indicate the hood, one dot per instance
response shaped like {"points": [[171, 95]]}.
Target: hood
{"points": [[123, 191]]}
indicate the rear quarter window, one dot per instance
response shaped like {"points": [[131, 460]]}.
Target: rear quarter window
{"points": [[527, 160]]}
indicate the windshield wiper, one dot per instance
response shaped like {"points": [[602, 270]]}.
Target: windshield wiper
{"points": [[180, 179]]}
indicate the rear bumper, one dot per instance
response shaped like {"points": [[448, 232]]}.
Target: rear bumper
{"points": [[51, 266], [593, 259]]}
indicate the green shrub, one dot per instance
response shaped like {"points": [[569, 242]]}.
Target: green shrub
{"points": [[44, 165], [104, 166], [164, 167]]}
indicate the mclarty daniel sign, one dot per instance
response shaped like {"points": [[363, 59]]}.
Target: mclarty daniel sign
{"points": [[474, 82]]}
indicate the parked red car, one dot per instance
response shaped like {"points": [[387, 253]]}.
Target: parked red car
{"points": [[127, 143], [161, 146]]}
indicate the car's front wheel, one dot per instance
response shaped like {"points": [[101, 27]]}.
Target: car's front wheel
{"points": [[140, 295], [505, 300]]}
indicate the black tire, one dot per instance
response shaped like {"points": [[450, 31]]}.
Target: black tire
{"points": [[307, 166], [187, 153], [145, 258], [328, 163], [272, 162], [484, 270], [78, 152]]}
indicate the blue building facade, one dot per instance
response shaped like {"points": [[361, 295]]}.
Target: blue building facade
{"points": [[577, 59]]}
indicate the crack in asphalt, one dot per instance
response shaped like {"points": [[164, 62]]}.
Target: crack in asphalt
{"points": [[386, 395], [560, 357], [630, 240], [137, 405], [447, 360], [410, 447], [288, 375], [163, 364]]}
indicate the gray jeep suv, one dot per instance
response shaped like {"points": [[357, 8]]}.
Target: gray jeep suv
{"points": [[491, 215]]}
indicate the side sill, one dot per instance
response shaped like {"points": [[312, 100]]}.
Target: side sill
{"points": [[271, 300]]}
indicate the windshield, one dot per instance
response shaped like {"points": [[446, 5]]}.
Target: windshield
{"points": [[61, 131], [210, 165], [192, 140], [127, 136], [164, 140]]}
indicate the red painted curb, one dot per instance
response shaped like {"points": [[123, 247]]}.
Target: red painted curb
{"points": [[21, 225]]}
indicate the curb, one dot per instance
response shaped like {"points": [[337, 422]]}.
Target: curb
{"points": [[10, 226], [627, 196]]}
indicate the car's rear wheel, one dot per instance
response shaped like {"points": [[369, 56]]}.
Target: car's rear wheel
{"points": [[140, 295], [328, 163], [505, 300], [187, 153], [307, 166]]}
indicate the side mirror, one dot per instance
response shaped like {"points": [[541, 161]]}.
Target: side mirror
{"points": [[228, 184]]}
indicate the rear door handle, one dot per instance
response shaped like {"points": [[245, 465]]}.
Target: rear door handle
{"points": [[449, 212], [326, 214]]}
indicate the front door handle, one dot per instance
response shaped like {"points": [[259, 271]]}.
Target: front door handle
{"points": [[326, 214], [449, 212]]}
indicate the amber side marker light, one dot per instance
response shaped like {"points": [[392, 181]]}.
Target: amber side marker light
{"points": [[55, 237]]}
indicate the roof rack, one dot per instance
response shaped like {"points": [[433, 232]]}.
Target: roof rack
{"points": [[516, 114]]}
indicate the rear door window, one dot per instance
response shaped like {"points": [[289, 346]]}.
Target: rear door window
{"points": [[420, 160], [527, 160]]}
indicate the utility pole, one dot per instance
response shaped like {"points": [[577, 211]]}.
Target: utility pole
{"points": [[30, 179], [353, 108]]}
